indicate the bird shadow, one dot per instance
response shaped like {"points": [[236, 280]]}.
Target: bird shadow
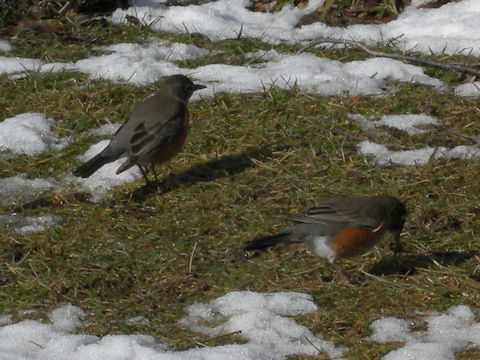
{"points": [[214, 169], [407, 264]]}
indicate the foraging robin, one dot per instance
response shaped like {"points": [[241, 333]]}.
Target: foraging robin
{"points": [[154, 133], [341, 227]]}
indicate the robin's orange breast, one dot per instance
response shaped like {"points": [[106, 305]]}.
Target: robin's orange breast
{"points": [[173, 147], [352, 242]]}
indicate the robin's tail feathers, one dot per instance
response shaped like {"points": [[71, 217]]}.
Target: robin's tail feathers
{"points": [[93, 165], [267, 241]]}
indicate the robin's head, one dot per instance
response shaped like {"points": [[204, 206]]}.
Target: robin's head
{"points": [[182, 86]]}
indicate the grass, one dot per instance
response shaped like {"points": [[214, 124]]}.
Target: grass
{"points": [[250, 160]]}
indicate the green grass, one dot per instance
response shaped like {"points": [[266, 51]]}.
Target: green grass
{"points": [[250, 160]]}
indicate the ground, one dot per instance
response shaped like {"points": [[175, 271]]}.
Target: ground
{"points": [[250, 161]]}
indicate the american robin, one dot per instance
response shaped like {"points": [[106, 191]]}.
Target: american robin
{"points": [[341, 227], [155, 131]]}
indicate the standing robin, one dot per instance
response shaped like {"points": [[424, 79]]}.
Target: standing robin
{"points": [[154, 133], [341, 227]]}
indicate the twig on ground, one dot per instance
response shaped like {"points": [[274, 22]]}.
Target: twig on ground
{"points": [[410, 59], [314, 346], [359, 139], [475, 139], [191, 258], [203, 344], [341, 132]]}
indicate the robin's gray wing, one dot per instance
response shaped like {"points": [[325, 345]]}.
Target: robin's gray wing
{"points": [[162, 118], [157, 121], [151, 123], [351, 212]]}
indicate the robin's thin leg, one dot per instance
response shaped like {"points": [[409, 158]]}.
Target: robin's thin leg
{"points": [[397, 245], [339, 269], [152, 165], [397, 248], [144, 173]]}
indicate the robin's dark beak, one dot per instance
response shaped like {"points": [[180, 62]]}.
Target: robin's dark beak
{"points": [[196, 87]]}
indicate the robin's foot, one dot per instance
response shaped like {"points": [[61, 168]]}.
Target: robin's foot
{"points": [[342, 273]]}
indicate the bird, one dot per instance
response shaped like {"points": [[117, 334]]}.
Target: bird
{"points": [[341, 227], [155, 131]]}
